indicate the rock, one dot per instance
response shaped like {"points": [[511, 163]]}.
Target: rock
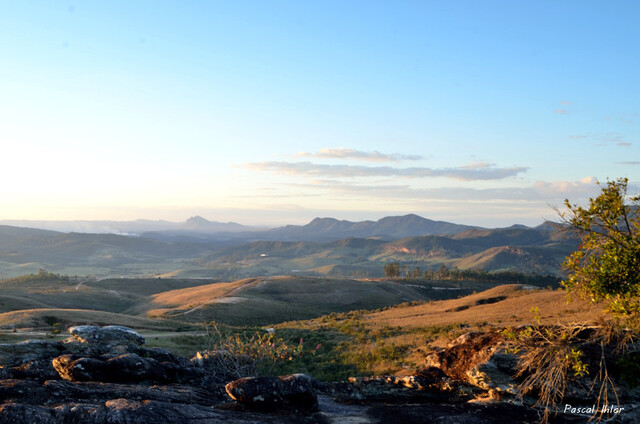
{"points": [[20, 353], [479, 359], [22, 391], [20, 413], [37, 369], [85, 340], [60, 391], [107, 376], [127, 368], [430, 385], [296, 391], [109, 336]]}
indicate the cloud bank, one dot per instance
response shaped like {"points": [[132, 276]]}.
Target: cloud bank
{"points": [[473, 172]]}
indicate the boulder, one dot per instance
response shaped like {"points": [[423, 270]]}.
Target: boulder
{"points": [[84, 340], [296, 391], [479, 359], [127, 368], [108, 337]]}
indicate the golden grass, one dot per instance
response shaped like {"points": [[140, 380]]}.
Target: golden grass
{"points": [[193, 296], [513, 310], [418, 329]]}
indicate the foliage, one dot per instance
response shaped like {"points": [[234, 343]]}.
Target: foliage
{"points": [[551, 356], [245, 354], [42, 275], [628, 368], [321, 357], [606, 267], [547, 358], [392, 270], [397, 270]]}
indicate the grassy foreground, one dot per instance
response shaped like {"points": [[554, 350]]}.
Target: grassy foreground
{"points": [[396, 339]]}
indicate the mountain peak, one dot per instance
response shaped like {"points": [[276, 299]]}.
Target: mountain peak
{"points": [[197, 220]]}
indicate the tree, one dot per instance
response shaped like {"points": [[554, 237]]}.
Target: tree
{"points": [[606, 266], [415, 274], [392, 270]]}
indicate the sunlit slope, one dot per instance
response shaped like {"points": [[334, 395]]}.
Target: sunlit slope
{"points": [[275, 299], [39, 303], [249, 301], [503, 305]]}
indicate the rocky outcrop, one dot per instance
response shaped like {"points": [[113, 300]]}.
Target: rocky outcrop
{"points": [[297, 391], [479, 359], [127, 368], [106, 375]]}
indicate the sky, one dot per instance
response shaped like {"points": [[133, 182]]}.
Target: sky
{"points": [[265, 113]]}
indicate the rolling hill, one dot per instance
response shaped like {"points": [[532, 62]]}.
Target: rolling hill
{"points": [[157, 302], [24, 250], [523, 250]]}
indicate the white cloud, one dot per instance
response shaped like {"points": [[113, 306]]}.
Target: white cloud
{"points": [[539, 192], [582, 186], [474, 172], [478, 165], [345, 153]]}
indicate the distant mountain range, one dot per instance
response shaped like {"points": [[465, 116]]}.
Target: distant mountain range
{"points": [[324, 246], [137, 227], [320, 229], [199, 229]]}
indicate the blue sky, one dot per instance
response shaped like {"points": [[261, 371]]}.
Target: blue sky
{"points": [[483, 113]]}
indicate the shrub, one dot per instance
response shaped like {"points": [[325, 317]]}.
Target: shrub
{"points": [[241, 354]]}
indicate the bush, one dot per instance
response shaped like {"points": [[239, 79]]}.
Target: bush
{"points": [[552, 356], [242, 354]]}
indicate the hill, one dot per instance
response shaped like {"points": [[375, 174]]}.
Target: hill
{"points": [[43, 299], [26, 249], [350, 249], [514, 249], [391, 227], [276, 299], [362, 326], [396, 340], [323, 230]]}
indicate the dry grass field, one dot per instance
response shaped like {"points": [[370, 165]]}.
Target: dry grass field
{"points": [[396, 339]]}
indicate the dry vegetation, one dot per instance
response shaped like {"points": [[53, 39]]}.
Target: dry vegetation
{"points": [[396, 339], [355, 338]]}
